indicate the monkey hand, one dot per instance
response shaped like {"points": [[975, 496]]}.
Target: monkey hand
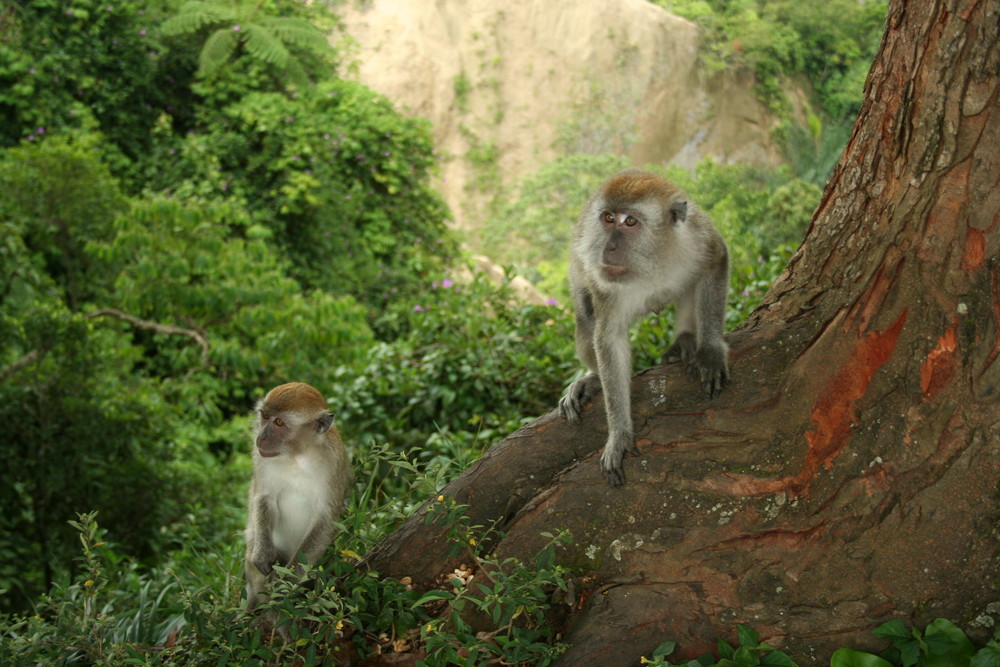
{"points": [[611, 458], [713, 372], [264, 560], [579, 394]]}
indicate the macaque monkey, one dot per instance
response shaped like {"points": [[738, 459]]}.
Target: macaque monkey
{"points": [[300, 476], [639, 245]]}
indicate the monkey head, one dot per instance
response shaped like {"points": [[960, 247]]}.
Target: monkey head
{"points": [[290, 418], [625, 231]]}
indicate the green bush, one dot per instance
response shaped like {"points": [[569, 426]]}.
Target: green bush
{"points": [[336, 174], [464, 365], [831, 42], [63, 63]]}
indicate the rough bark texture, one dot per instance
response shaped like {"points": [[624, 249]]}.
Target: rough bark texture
{"points": [[850, 474]]}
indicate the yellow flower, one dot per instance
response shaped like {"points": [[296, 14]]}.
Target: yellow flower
{"points": [[88, 583], [340, 625], [440, 499]]}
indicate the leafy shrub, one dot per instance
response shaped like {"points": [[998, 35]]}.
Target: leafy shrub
{"points": [[58, 196], [832, 43], [335, 173], [82, 433], [65, 64], [465, 364], [940, 643], [751, 652], [184, 266]]}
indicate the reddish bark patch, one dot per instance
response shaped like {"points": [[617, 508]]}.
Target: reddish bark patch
{"points": [[975, 250], [832, 415], [939, 366]]}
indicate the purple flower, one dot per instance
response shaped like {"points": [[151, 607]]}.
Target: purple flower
{"points": [[142, 32], [446, 283], [551, 302], [40, 130], [417, 308], [236, 27]]}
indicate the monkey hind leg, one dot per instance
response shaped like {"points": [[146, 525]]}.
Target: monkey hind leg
{"points": [[707, 363], [581, 392], [684, 349]]}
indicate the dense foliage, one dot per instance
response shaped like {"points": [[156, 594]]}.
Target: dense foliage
{"points": [[145, 304], [830, 43]]}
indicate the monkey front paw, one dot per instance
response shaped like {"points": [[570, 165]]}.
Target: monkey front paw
{"points": [[581, 392], [712, 370], [264, 562], [611, 458]]}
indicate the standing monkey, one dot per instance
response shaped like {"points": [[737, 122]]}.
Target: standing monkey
{"points": [[300, 477], [639, 245]]}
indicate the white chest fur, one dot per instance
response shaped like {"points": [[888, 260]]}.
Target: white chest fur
{"points": [[296, 490]]}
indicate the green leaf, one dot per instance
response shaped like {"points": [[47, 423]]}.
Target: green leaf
{"points": [[664, 649], [846, 657], [748, 636], [947, 644], [894, 630], [778, 659], [430, 596], [219, 47], [193, 17], [263, 45], [986, 657], [297, 32]]}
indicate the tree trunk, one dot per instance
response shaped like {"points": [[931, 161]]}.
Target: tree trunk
{"points": [[849, 474]]}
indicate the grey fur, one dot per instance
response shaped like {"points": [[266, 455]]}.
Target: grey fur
{"points": [[659, 249]]}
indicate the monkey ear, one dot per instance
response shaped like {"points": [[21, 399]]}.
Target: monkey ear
{"points": [[323, 422], [679, 211]]}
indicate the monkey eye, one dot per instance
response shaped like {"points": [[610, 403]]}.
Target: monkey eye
{"points": [[608, 217], [278, 421], [630, 221]]}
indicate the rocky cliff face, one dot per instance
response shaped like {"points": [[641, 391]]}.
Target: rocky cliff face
{"points": [[507, 86]]}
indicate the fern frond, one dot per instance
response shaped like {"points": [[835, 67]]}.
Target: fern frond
{"points": [[297, 32], [194, 16], [263, 45], [219, 48], [296, 75]]}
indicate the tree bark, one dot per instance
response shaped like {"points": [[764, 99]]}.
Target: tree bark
{"points": [[850, 474]]}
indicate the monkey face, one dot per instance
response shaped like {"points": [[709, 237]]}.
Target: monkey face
{"points": [[620, 230], [289, 418], [272, 434]]}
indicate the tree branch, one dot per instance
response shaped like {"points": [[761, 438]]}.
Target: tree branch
{"points": [[168, 329]]}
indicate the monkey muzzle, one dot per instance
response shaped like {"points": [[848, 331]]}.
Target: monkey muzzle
{"points": [[614, 270]]}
